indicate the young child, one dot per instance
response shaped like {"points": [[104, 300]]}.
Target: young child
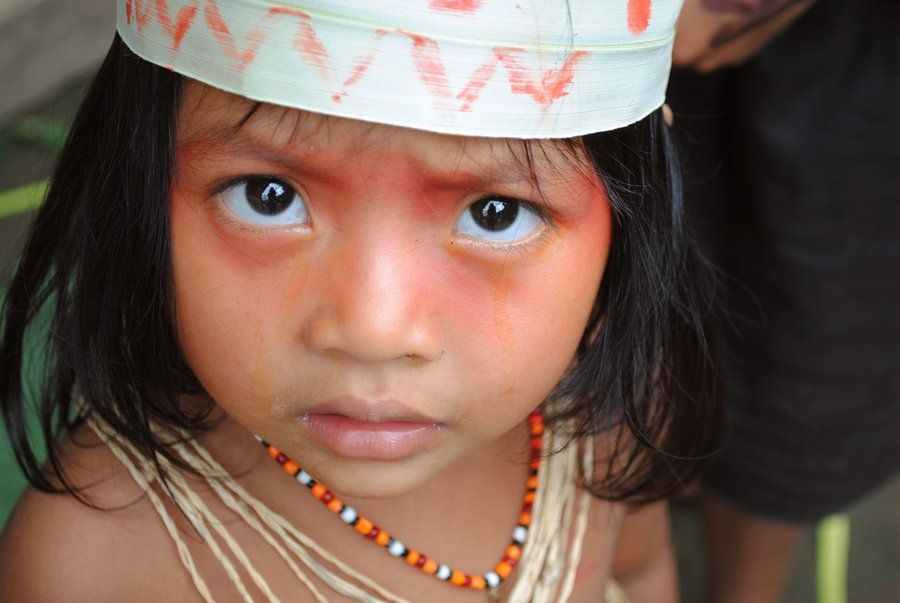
{"points": [[429, 254]]}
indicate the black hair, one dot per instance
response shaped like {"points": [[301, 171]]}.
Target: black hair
{"points": [[98, 256]]}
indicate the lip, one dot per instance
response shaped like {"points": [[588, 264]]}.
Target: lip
{"points": [[360, 429]]}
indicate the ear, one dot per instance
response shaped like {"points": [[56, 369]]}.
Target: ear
{"points": [[668, 115]]}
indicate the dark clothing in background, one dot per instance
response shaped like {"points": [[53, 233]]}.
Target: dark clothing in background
{"points": [[793, 180]]}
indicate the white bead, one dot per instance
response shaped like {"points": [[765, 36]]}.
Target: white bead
{"points": [[520, 534], [492, 579], [348, 514], [396, 548], [443, 572], [303, 477]]}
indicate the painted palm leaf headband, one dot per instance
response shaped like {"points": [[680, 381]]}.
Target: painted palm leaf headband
{"points": [[499, 68]]}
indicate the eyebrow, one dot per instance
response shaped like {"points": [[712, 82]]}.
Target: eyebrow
{"points": [[297, 159]]}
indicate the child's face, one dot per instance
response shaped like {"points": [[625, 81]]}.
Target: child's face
{"points": [[373, 300]]}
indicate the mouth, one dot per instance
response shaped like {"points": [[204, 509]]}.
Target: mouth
{"points": [[362, 430]]}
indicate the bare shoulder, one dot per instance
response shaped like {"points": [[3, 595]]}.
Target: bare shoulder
{"points": [[56, 548]]}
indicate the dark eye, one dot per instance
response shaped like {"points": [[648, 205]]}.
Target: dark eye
{"points": [[494, 214], [264, 201], [267, 196], [500, 219]]}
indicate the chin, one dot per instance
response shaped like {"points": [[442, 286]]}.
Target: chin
{"points": [[378, 480]]}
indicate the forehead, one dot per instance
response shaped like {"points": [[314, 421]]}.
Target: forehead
{"points": [[209, 116]]}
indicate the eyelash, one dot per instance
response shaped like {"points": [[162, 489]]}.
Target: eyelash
{"points": [[225, 217], [525, 245], [542, 212]]}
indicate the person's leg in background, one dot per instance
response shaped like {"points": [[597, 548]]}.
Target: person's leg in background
{"points": [[748, 556]]}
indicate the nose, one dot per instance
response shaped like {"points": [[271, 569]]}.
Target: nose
{"points": [[374, 304]]}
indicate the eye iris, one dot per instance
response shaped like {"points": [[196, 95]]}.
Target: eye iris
{"points": [[494, 214], [267, 196]]}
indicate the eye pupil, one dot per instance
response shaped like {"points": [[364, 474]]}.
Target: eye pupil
{"points": [[494, 214], [267, 196]]}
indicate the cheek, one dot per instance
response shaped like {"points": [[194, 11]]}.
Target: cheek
{"points": [[230, 315], [527, 317]]}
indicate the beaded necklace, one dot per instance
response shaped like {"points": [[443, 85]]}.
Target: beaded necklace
{"points": [[366, 528], [546, 570]]}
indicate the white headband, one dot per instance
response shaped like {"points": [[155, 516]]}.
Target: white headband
{"points": [[499, 68]]}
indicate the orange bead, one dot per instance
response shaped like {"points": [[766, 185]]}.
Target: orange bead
{"points": [[478, 583], [335, 505], [525, 519], [536, 429], [363, 526], [503, 570], [273, 452], [513, 552], [430, 566], [529, 497], [532, 482], [457, 578], [382, 538], [318, 490], [412, 557], [291, 467]]}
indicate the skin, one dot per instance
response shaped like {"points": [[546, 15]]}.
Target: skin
{"points": [[749, 556], [712, 34], [377, 295]]}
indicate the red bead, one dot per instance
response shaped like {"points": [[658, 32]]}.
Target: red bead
{"points": [[421, 560], [281, 458], [526, 508], [467, 581], [327, 497], [375, 531]]}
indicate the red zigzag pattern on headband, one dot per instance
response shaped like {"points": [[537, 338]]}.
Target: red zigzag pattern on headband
{"points": [[425, 51]]}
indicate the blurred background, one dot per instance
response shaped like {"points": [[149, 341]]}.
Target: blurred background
{"points": [[49, 50]]}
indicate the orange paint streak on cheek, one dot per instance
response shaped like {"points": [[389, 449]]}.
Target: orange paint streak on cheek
{"points": [[522, 315], [540, 303], [505, 337]]}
